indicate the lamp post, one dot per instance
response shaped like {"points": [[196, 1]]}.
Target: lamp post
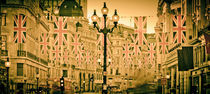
{"points": [[168, 81], [48, 75], [25, 86], [7, 65], [84, 86], [105, 31], [92, 79], [37, 87]]}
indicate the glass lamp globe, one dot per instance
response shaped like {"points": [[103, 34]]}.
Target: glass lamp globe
{"points": [[115, 17], [94, 18], [104, 10]]}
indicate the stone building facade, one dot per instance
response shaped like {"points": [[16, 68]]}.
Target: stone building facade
{"points": [[189, 19], [44, 46]]}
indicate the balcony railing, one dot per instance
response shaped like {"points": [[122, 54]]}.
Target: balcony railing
{"points": [[31, 56], [21, 53]]}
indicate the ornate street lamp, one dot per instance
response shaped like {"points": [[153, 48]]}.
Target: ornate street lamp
{"points": [[84, 86], [7, 65], [37, 87], [105, 31]]}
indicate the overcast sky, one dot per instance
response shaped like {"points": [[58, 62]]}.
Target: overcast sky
{"points": [[127, 9]]}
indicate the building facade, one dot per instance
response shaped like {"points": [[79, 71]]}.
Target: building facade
{"points": [[44, 42], [182, 24]]}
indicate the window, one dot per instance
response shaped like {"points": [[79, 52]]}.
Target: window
{"points": [[37, 70], [111, 71], [65, 73], [117, 72], [19, 69], [4, 46], [118, 43], [130, 83], [118, 51]]}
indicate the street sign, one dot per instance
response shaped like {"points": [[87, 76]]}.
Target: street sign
{"points": [[163, 81]]}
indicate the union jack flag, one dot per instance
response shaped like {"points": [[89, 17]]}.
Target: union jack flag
{"points": [[151, 51], [88, 57], [94, 60], [100, 39], [163, 41], [135, 46], [79, 55], [179, 29], [139, 64], [145, 62], [100, 44], [101, 22], [56, 51], [66, 55], [76, 43], [44, 43], [20, 28], [141, 26], [126, 52], [60, 30]]}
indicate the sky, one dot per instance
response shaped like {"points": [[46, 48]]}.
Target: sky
{"points": [[127, 10]]}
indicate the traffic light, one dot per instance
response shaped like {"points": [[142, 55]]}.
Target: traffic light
{"points": [[62, 84]]}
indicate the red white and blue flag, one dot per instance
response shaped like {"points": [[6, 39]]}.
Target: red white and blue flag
{"points": [[76, 43], [87, 57], [80, 54], [100, 44], [163, 42], [66, 56], [134, 44], [56, 52], [101, 22], [127, 52], [20, 28], [141, 28], [44, 43], [151, 51], [179, 29], [60, 31]]}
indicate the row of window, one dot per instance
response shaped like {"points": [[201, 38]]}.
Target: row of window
{"points": [[31, 71], [200, 56]]}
